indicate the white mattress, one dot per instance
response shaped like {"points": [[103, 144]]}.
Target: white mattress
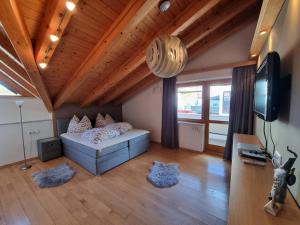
{"points": [[76, 137]]}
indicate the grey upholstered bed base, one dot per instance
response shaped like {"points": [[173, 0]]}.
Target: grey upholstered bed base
{"points": [[108, 158], [98, 162]]}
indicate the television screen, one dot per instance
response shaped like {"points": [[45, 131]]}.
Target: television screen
{"points": [[261, 93], [266, 88]]}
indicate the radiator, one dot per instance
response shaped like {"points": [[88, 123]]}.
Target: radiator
{"points": [[191, 136]]}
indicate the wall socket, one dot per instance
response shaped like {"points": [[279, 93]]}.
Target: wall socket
{"points": [[277, 159]]}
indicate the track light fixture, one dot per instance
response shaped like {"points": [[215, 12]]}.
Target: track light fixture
{"points": [[54, 37], [70, 5], [43, 65]]}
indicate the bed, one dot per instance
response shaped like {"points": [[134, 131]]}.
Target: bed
{"points": [[99, 158]]}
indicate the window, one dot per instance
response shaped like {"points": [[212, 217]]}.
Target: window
{"points": [[5, 91], [207, 102], [219, 102], [189, 102]]}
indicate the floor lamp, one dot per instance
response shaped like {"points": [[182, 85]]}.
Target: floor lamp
{"points": [[25, 166]]}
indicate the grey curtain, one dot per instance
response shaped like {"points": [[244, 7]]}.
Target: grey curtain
{"points": [[241, 105], [169, 129]]}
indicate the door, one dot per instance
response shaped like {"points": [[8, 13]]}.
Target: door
{"points": [[218, 115]]}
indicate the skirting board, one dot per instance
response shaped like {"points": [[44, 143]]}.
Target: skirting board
{"points": [[18, 162]]}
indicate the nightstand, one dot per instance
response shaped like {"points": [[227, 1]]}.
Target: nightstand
{"points": [[49, 148]]}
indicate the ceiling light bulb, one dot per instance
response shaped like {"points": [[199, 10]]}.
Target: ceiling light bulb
{"points": [[253, 55], [70, 5], [164, 6], [43, 65], [54, 37], [263, 32]]}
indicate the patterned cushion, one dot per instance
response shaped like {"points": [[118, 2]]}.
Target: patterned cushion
{"points": [[73, 124], [77, 126], [109, 119], [100, 121]]}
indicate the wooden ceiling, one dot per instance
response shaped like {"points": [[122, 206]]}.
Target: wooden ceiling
{"points": [[100, 56]]}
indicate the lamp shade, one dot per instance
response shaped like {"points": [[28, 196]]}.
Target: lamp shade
{"points": [[166, 56], [19, 102]]}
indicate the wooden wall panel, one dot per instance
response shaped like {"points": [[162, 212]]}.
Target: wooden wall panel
{"points": [[15, 27], [33, 12], [174, 26], [232, 26], [92, 18], [84, 30]]}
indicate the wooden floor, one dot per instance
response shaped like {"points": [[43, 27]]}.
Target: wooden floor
{"points": [[120, 196]]}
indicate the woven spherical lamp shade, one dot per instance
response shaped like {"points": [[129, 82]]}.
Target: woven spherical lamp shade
{"points": [[166, 56]]}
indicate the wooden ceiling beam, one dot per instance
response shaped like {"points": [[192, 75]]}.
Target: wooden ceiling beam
{"points": [[206, 42], [11, 85], [175, 27], [10, 75], [13, 75], [219, 17], [122, 87], [16, 30], [139, 87], [15, 65], [5, 43], [56, 13], [268, 14], [131, 16], [233, 26]]}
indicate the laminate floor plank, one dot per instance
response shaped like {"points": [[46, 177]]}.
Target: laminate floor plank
{"points": [[121, 196]]}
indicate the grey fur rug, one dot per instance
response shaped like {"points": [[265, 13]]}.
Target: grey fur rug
{"points": [[163, 175], [54, 177]]}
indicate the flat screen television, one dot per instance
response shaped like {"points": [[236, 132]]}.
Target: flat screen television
{"points": [[266, 89]]}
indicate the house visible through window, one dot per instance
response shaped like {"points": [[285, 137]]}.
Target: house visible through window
{"points": [[5, 91], [219, 105], [189, 102], [219, 102]]}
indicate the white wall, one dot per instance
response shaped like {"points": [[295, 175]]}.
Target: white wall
{"points": [[234, 48], [145, 109], [36, 119], [285, 39]]}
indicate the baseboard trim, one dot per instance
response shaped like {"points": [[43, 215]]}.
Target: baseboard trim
{"points": [[17, 163], [212, 152]]}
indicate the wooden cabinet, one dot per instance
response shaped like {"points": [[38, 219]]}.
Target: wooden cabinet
{"points": [[49, 148], [249, 188]]}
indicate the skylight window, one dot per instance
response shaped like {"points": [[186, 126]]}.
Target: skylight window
{"points": [[6, 92]]}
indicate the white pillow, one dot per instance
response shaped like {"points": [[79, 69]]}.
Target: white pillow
{"points": [[97, 135], [100, 121], [122, 127], [76, 126], [109, 119]]}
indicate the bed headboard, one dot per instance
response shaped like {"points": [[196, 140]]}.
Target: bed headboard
{"points": [[66, 112]]}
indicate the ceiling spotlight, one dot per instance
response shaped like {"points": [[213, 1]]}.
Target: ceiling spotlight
{"points": [[43, 65], [54, 37], [70, 5], [253, 55], [263, 32], [164, 6]]}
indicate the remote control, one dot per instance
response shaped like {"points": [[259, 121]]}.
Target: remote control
{"points": [[246, 161]]}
